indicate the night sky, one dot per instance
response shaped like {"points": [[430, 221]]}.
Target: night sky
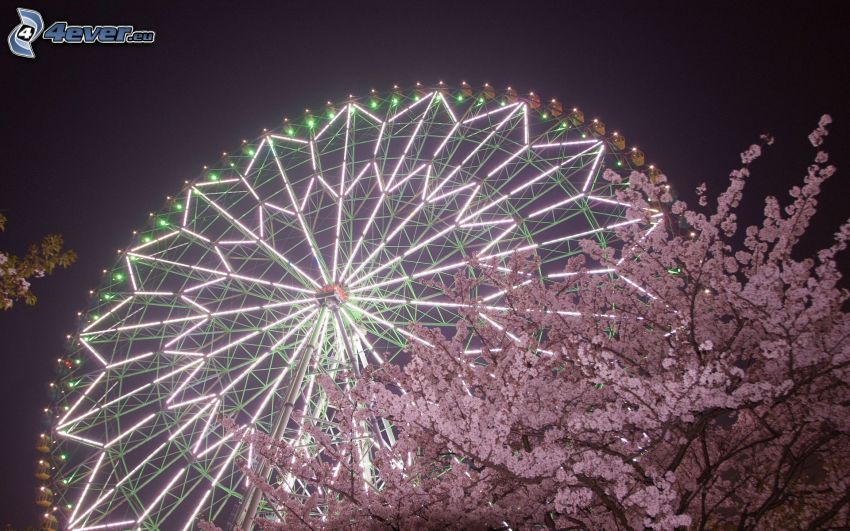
{"points": [[95, 137]]}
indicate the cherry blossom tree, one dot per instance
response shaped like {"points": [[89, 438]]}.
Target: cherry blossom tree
{"points": [[17, 271], [713, 396]]}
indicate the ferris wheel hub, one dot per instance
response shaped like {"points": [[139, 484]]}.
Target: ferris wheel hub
{"points": [[332, 295]]}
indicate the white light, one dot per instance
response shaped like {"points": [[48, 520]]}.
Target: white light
{"points": [[490, 113], [325, 128], [589, 272], [393, 327], [204, 284], [130, 430], [487, 223], [556, 205], [254, 158], [155, 240], [457, 190], [213, 407], [161, 494], [223, 259], [498, 238], [593, 169], [367, 113], [357, 178], [77, 403], [213, 183], [190, 523], [409, 175], [561, 144], [130, 360], [186, 381], [81, 439], [195, 304], [248, 186], [185, 333], [88, 484], [609, 201], [105, 526], [446, 139], [411, 106], [93, 351], [288, 139], [447, 106], [191, 401], [278, 208], [130, 273], [193, 234], [378, 141], [507, 161], [186, 207], [110, 312], [215, 445], [632, 283]]}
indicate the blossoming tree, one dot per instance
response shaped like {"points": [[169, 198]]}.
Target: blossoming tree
{"points": [[714, 396], [40, 260]]}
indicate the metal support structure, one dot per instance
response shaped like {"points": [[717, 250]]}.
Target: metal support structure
{"points": [[252, 499], [364, 208], [352, 356]]}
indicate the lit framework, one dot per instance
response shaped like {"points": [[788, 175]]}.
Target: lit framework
{"points": [[308, 251]]}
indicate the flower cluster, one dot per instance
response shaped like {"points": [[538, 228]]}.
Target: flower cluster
{"points": [[39, 260]]}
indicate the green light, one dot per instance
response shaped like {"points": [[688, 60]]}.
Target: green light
{"points": [[545, 116], [290, 131], [119, 276], [619, 163], [584, 135], [460, 97], [178, 206], [76, 362], [63, 457], [232, 164], [251, 152], [95, 317], [108, 296], [675, 270], [213, 177], [502, 103], [373, 104], [480, 100], [416, 97], [146, 239], [330, 114], [162, 222], [395, 100], [311, 123]]}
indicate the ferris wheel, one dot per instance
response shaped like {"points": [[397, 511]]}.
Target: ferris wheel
{"points": [[308, 251]]}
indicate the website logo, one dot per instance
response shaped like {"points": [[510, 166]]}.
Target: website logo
{"points": [[24, 34]]}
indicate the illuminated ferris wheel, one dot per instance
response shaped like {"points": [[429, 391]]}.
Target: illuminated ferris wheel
{"points": [[308, 251]]}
